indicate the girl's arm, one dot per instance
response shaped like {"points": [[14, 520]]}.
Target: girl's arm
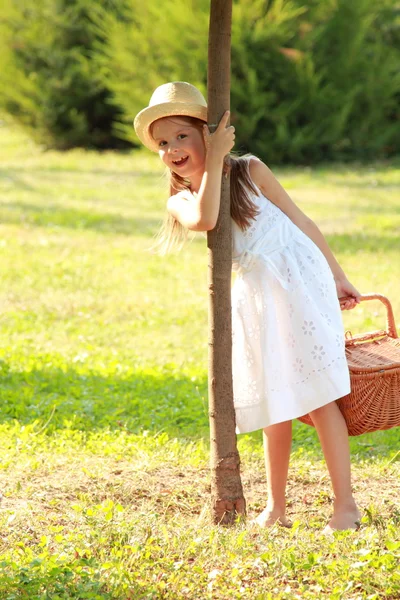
{"points": [[272, 189], [200, 212]]}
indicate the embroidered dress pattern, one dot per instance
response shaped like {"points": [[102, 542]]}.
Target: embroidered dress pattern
{"points": [[288, 353]]}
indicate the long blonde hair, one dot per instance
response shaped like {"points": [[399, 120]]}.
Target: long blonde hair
{"points": [[173, 234]]}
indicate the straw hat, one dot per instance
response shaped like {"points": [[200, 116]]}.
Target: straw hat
{"points": [[177, 98]]}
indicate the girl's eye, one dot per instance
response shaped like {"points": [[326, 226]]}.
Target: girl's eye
{"points": [[181, 136], [162, 144]]}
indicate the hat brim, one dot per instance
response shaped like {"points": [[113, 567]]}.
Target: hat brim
{"points": [[147, 116]]}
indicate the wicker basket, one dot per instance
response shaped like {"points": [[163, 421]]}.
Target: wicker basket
{"points": [[374, 364]]}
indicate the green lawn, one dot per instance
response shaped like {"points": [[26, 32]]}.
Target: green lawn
{"points": [[103, 429]]}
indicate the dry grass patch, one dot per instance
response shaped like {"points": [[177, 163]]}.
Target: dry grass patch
{"points": [[53, 487]]}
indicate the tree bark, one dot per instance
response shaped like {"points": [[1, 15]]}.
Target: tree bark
{"points": [[226, 486]]}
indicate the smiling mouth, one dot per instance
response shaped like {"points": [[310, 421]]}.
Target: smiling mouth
{"points": [[181, 161]]}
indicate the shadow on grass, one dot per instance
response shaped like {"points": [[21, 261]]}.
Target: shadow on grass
{"points": [[14, 173], [365, 183], [53, 216], [360, 242], [369, 209], [12, 176], [154, 400]]}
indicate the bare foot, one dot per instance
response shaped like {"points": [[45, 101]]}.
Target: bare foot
{"points": [[344, 517], [269, 517]]}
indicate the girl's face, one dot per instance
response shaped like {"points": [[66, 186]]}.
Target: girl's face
{"points": [[181, 145]]}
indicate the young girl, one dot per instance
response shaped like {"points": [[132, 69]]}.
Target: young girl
{"points": [[288, 344]]}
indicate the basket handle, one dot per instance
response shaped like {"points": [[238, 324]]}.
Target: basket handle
{"points": [[390, 322]]}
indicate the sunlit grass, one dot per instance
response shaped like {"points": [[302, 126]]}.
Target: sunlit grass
{"points": [[103, 367]]}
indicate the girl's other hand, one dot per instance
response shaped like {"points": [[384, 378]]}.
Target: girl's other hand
{"points": [[345, 289], [221, 142]]}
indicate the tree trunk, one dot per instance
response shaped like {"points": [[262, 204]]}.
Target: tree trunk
{"points": [[226, 486]]}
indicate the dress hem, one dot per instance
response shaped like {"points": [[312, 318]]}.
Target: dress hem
{"points": [[259, 420]]}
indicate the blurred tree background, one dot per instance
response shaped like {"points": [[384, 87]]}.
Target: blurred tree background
{"points": [[312, 80], [49, 80]]}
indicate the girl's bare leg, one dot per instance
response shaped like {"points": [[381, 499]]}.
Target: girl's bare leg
{"points": [[277, 445], [332, 432]]}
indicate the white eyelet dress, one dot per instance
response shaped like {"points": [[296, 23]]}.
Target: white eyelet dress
{"points": [[288, 354]]}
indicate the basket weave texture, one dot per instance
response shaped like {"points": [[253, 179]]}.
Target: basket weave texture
{"points": [[374, 364]]}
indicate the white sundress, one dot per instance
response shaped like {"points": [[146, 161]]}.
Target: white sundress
{"points": [[288, 353]]}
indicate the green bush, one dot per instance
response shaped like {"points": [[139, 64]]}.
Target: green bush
{"points": [[310, 81], [150, 47], [48, 81]]}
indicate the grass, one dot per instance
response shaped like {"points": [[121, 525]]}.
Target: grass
{"points": [[103, 429]]}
